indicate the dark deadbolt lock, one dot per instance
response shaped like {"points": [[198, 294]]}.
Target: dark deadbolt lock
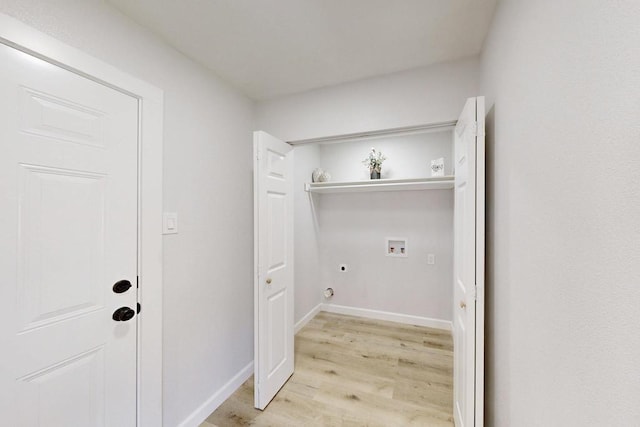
{"points": [[123, 314], [121, 286]]}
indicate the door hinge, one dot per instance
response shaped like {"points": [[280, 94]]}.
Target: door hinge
{"points": [[137, 282], [258, 155]]}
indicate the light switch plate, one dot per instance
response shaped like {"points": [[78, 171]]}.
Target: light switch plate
{"points": [[170, 223]]}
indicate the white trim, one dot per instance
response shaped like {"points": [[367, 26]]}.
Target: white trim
{"points": [[389, 316], [198, 416], [411, 184], [256, 264], [22, 37], [480, 260], [406, 130], [16, 34], [306, 318]]}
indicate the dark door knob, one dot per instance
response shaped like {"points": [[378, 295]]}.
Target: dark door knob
{"points": [[123, 314], [121, 286]]}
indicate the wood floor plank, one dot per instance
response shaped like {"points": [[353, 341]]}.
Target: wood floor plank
{"points": [[351, 371], [389, 412], [340, 375]]}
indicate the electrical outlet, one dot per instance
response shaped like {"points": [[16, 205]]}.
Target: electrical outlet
{"points": [[343, 268], [431, 259]]}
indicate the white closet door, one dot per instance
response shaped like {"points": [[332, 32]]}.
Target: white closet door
{"points": [[273, 361], [68, 180], [468, 319]]}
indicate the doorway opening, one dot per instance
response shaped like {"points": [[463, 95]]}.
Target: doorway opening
{"points": [[352, 253]]}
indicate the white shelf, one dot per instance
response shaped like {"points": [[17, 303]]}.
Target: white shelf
{"points": [[435, 183]]}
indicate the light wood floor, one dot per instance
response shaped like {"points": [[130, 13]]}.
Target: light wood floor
{"points": [[351, 371]]}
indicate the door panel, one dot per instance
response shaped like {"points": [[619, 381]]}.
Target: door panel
{"points": [[469, 265], [66, 393], [276, 165], [50, 116], [277, 313], [277, 217], [68, 179], [274, 266], [55, 206]]}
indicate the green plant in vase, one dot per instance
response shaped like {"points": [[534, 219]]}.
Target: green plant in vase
{"points": [[374, 163]]}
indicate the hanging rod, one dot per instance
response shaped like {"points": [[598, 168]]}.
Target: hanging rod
{"points": [[376, 133]]}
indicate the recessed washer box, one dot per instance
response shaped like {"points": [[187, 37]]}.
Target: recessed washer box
{"points": [[397, 247]]}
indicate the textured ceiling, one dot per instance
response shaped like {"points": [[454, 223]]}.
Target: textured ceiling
{"points": [[268, 48]]}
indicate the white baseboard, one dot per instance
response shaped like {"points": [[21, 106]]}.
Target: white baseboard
{"points": [[198, 416], [307, 317], [386, 315]]}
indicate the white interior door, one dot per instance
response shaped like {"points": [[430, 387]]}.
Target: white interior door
{"points": [[68, 186], [468, 322], [273, 181]]}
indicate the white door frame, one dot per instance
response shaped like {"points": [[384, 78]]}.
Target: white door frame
{"points": [[20, 36], [469, 140], [480, 258]]}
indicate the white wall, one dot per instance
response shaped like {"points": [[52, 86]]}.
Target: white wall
{"points": [[408, 156], [208, 309], [307, 292], [563, 246], [354, 228], [426, 95], [353, 231]]}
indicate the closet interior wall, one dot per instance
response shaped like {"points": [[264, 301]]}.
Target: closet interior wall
{"points": [[351, 229]]}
